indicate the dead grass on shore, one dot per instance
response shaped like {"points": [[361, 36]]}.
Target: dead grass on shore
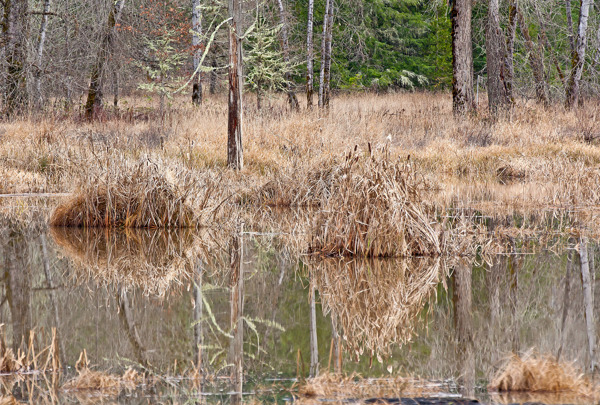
{"points": [[376, 208], [538, 373], [376, 302], [152, 260]]}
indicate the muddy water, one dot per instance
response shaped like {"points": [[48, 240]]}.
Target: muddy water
{"points": [[252, 317]]}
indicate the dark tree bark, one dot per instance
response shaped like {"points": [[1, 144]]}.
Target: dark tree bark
{"points": [[197, 46], [286, 57], [16, 31], [235, 158], [536, 62], [498, 98], [462, 58], [509, 60], [309, 56], [94, 98], [325, 74], [578, 57]]}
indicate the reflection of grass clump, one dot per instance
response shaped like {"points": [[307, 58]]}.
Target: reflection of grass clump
{"points": [[138, 197], [535, 373], [375, 208], [149, 259], [376, 301]]}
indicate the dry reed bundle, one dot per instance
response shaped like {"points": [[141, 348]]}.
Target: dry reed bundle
{"points": [[375, 209], [8, 400], [149, 259], [87, 379], [339, 387], [141, 196], [376, 301], [535, 373]]}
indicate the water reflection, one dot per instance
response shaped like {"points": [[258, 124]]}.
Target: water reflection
{"points": [[376, 302], [248, 315]]}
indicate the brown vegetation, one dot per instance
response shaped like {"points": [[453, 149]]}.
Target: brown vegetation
{"points": [[149, 259], [536, 373], [376, 302]]}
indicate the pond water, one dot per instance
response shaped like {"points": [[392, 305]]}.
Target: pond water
{"points": [[252, 325]]}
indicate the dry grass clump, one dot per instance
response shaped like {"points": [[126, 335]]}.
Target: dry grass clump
{"points": [[376, 208], [339, 387], [8, 400], [376, 302], [141, 196], [149, 259], [9, 363], [535, 373]]}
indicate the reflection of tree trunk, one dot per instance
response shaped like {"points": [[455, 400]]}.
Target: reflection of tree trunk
{"points": [[566, 302], [336, 346], [588, 303], [198, 337], [53, 298], [463, 324], [514, 300], [18, 283], [493, 286], [131, 328], [314, 347], [236, 352]]}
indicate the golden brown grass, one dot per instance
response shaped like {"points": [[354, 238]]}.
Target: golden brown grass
{"points": [[376, 302], [132, 197], [375, 208], [538, 373]]}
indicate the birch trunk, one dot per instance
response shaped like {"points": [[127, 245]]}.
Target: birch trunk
{"points": [[94, 98], [462, 58], [16, 32], [286, 57], [197, 47], [498, 99], [578, 57], [40, 54], [536, 62], [234, 128], [309, 55]]}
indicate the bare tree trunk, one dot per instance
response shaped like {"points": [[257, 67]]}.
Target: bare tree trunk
{"points": [[559, 70], [16, 32], [588, 303], [509, 60], [498, 99], [235, 158], [570, 32], [286, 57], [94, 98], [462, 58], [536, 61], [578, 57], [197, 47], [40, 53], [325, 73], [212, 88], [309, 55]]}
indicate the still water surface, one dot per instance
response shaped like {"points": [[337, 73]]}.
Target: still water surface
{"points": [[165, 302]]}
